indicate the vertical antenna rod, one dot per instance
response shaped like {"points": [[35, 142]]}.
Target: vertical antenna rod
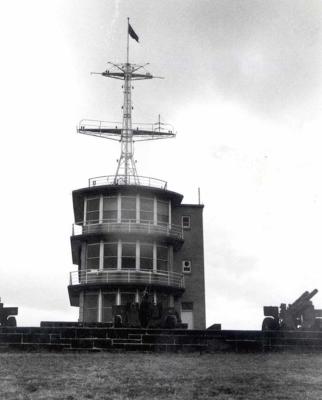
{"points": [[126, 164]]}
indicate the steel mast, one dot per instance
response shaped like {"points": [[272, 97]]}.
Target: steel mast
{"points": [[126, 163], [126, 172]]}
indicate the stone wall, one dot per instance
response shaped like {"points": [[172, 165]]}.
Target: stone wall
{"points": [[80, 338]]}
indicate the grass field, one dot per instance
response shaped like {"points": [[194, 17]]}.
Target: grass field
{"points": [[160, 376]]}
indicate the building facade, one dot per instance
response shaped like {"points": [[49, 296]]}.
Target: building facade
{"points": [[130, 238]]}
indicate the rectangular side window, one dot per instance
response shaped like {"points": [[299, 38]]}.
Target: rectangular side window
{"points": [[187, 306], [185, 221]]}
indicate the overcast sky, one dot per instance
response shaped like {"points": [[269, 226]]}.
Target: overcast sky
{"points": [[243, 89]]}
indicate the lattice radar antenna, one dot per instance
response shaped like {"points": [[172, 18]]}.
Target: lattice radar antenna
{"points": [[127, 133]]}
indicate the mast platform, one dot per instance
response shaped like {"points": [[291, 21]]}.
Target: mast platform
{"points": [[114, 130]]}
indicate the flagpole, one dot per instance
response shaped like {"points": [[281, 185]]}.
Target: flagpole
{"points": [[128, 44]]}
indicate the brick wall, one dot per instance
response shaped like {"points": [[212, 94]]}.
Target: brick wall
{"points": [[192, 250]]}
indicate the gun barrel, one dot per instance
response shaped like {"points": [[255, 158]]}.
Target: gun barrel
{"points": [[313, 293], [303, 300]]}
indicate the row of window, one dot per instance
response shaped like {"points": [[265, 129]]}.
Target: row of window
{"points": [[128, 209], [110, 299], [127, 255]]}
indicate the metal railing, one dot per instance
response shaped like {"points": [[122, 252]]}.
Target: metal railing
{"points": [[128, 226], [114, 127], [127, 276], [127, 180]]}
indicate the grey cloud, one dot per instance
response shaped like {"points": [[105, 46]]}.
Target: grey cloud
{"points": [[263, 54]]}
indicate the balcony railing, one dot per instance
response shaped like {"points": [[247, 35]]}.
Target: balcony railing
{"points": [[128, 226], [127, 180], [127, 276]]}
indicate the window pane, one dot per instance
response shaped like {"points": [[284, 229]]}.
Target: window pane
{"points": [[146, 263], [110, 215], [93, 263], [109, 203], [163, 207], [128, 203], [93, 256], [110, 249], [90, 300], [163, 212], [92, 217], [127, 298], [162, 258], [109, 208], [128, 249], [90, 307], [186, 221], [128, 255], [93, 204], [128, 214], [162, 252], [128, 262], [187, 306], [128, 208], [146, 204], [146, 250], [146, 216], [146, 209], [110, 262], [108, 301], [146, 256], [93, 250]]}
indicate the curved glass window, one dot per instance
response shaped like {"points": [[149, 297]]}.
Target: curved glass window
{"points": [[146, 256], [93, 256], [128, 208], [110, 255], [128, 255], [163, 212], [146, 209], [90, 307], [162, 258], [108, 301], [92, 210], [110, 209]]}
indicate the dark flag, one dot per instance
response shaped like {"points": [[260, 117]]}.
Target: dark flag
{"points": [[133, 34]]}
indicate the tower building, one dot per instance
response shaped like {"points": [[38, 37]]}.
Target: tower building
{"points": [[131, 234]]}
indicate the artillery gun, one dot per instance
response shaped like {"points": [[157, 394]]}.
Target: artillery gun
{"points": [[6, 315], [301, 314]]}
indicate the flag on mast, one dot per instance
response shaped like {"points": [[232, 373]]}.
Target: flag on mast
{"points": [[133, 34]]}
